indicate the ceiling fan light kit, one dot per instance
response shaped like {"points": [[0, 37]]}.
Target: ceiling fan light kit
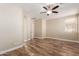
{"points": [[49, 12], [50, 9]]}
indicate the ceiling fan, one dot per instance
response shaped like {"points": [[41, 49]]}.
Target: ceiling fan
{"points": [[50, 9]]}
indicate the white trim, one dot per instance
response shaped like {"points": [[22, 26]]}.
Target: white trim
{"points": [[59, 39], [2, 52]]}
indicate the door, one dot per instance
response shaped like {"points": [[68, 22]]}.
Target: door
{"points": [[31, 28], [28, 28]]}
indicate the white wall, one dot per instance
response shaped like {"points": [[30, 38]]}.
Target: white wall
{"points": [[11, 27], [62, 28]]}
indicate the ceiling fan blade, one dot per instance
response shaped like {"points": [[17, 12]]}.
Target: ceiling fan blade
{"points": [[45, 8], [54, 12], [42, 12], [55, 7]]}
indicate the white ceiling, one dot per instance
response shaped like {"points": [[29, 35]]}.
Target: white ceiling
{"points": [[33, 9]]}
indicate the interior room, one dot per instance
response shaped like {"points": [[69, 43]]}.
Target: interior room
{"points": [[39, 29]]}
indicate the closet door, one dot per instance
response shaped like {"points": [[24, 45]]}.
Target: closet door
{"points": [[38, 28]]}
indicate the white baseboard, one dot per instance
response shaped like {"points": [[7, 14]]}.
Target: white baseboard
{"points": [[27, 39], [58, 39], [63, 39], [40, 37], [2, 52]]}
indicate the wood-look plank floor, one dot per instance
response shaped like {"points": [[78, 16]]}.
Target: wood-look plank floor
{"points": [[46, 47]]}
